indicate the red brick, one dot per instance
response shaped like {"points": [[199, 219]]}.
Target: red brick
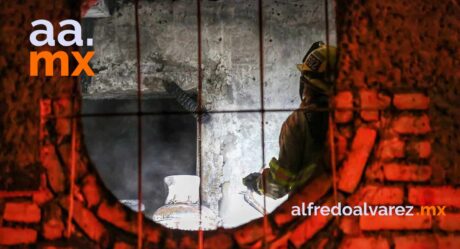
{"points": [[420, 149], [15, 236], [123, 245], [448, 242], [50, 162], [43, 196], [391, 148], [394, 222], [53, 226], [374, 172], [306, 230], [153, 233], [81, 163], [53, 229], [188, 242], [384, 100], [321, 184], [26, 212], [412, 125], [16, 194], [118, 216], [364, 243], [416, 242], [353, 167], [322, 243], [411, 101], [64, 149], [62, 107], [170, 242], [346, 130], [45, 107], [91, 190], [445, 195], [377, 195], [343, 100], [219, 240], [78, 246], [87, 221], [63, 126], [250, 233], [369, 101], [341, 147], [43, 131], [309, 227], [450, 222], [349, 225], [407, 173]]}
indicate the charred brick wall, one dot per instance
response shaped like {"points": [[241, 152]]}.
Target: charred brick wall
{"points": [[399, 145], [396, 142]]}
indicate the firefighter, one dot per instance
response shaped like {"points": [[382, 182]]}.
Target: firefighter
{"points": [[302, 141]]}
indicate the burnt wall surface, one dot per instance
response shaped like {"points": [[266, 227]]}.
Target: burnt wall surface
{"points": [[169, 146], [405, 46], [231, 141], [396, 73], [169, 41]]}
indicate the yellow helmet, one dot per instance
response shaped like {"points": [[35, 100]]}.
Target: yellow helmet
{"points": [[315, 63]]}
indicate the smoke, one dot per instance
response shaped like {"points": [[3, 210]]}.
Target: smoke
{"points": [[168, 146]]}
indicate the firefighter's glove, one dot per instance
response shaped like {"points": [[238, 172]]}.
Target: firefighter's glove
{"points": [[271, 188], [251, 182]]}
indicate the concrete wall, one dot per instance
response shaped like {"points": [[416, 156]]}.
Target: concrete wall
{"points": [[231, 141]]}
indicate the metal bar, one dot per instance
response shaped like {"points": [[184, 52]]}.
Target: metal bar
{"points": [[161, 113], [331, 115], [262, 114], [139, 130], [199, 120]]}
